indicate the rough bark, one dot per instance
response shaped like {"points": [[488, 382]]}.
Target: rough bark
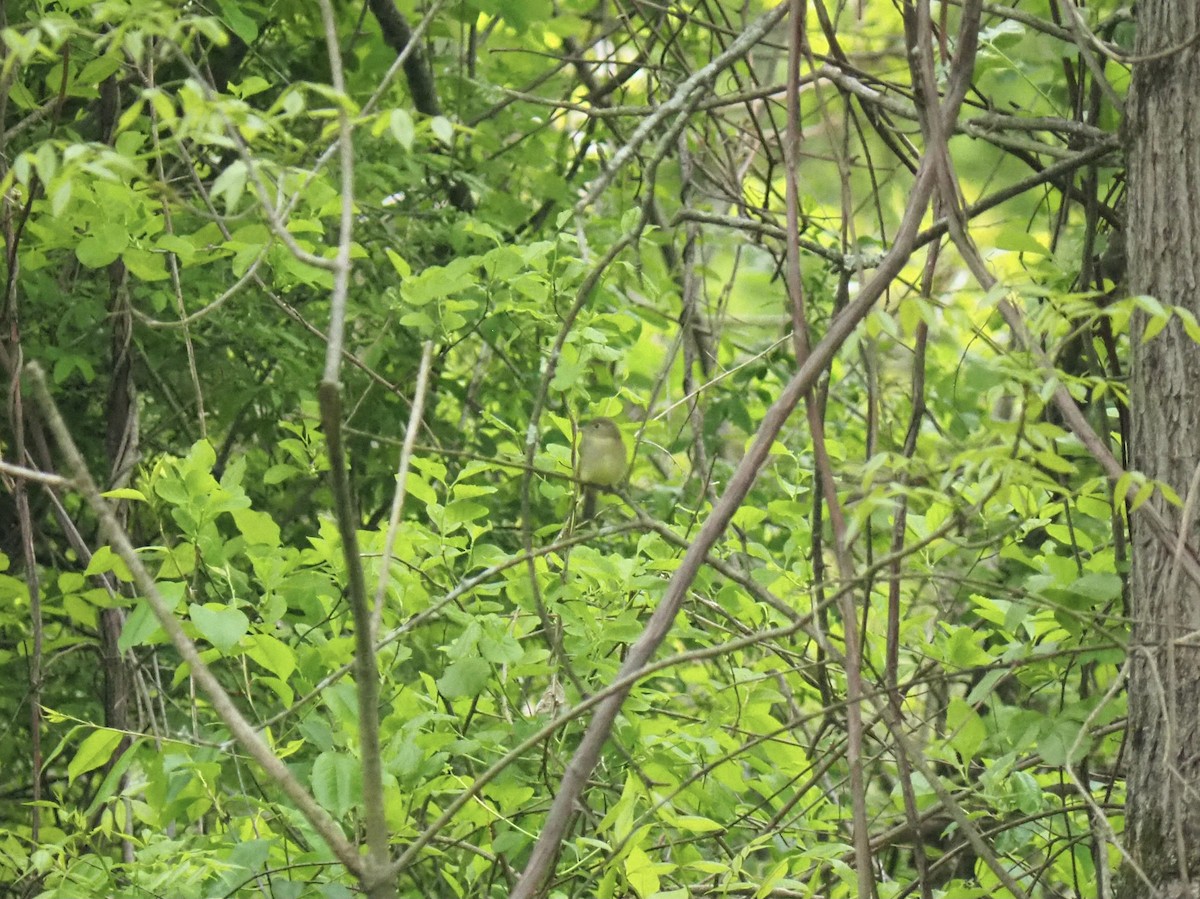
{"points": [[1163, 235]]}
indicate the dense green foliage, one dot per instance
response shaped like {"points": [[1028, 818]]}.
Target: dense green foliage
{"points": [[173, 187]]}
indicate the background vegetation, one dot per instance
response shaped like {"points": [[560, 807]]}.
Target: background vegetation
{"points": [[322, 293]]}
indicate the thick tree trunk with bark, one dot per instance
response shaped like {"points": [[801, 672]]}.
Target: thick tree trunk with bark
{"points": [[1163, 244]]}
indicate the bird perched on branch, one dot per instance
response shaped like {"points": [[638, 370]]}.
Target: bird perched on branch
{"points": [[602, 461]]}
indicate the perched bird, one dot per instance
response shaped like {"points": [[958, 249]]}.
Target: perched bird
{"points": [[602, 461]]}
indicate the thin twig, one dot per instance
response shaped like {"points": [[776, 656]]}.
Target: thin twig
{"points": [[406, 453], [31, 474], [679, 103]]}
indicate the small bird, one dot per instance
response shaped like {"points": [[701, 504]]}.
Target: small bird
{"points": [[602, 461]]}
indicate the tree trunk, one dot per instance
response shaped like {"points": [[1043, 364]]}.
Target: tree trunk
{"points": [[1163, 243]]}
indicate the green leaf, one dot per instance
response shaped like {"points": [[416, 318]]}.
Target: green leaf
{"points": [[258, 528], [250, 87], [523, 13], [1061, 741], [399, 263], [963, 649], [96, 750], [111, 785], [99, 69], [60, 196], [222, 626], [1150, 306], [247, 858], [696, 824], [1154, 325], [464, 678], [401, 125], [105, 560], [419, 489], [771, 880], [125, 493], [442, 129], [643, 873], [1190, 325], [273, 654], [501, 649], [141, 628], [337, 782], [1098, 587], [1026, 792], [231, 184], [1144, 493], [1020, 241], [278, 474], [145, 265], [239, 23], [461, 511], [967, 730], [102, 246]]}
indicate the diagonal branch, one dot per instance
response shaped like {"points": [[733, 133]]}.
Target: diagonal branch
{"points": [[242, 730], [545, 852]]}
